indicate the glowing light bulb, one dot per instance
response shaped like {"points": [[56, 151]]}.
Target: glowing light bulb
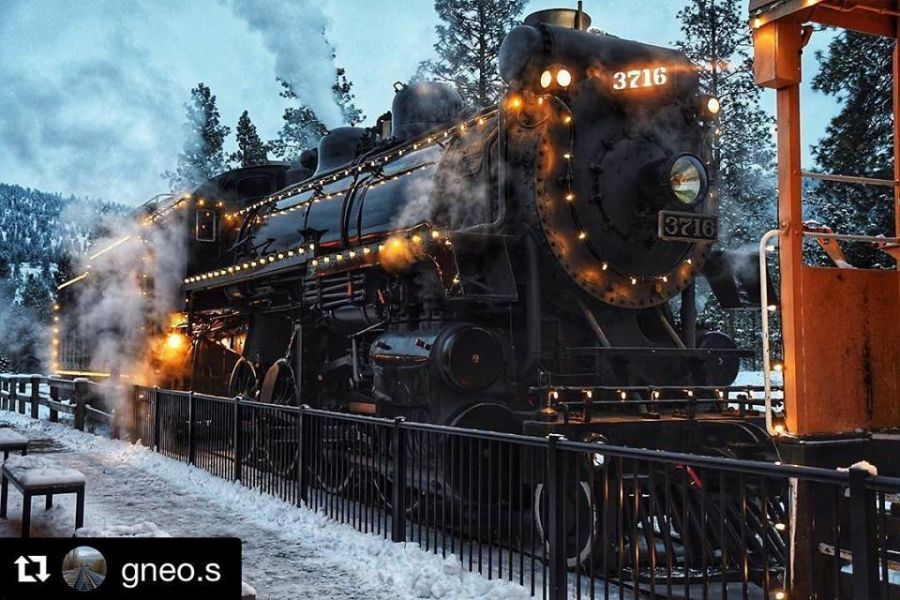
{"points": [[713, 106], [546, 79], [563, 77], [582, 235]]}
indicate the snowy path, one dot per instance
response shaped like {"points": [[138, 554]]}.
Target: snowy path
{"points": [[288, 552]]}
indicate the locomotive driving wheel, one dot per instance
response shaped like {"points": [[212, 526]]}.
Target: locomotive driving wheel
{"points": [[243, 380], [275, 444]]}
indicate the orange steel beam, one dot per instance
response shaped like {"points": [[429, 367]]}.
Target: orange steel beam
{"points": [[875, 17]]}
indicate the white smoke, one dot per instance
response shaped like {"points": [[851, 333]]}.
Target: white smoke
{"points": [[294, 32], [127, 299], [93, 93]]}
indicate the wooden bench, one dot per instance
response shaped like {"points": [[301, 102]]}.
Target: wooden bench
{"points": [[10, 441], [38, 476]]}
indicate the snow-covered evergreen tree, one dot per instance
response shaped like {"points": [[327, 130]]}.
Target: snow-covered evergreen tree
{"points": [[251, 149], [203, 156], [343, 95], [856, 70], [301, 129], [468, 45]]}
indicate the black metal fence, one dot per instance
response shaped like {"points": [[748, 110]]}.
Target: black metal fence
{"points": [[562, 518]]}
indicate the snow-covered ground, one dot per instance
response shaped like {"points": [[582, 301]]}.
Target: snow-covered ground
{"points": [[288, 552]]}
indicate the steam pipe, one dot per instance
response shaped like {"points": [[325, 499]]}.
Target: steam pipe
{"points": [[689, 316], [532, 305]]}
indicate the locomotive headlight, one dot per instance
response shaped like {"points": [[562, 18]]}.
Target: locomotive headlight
{"points": [[546, 79], [563, 77], [687, 179]]}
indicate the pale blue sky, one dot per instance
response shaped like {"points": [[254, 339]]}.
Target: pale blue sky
{"points": [[91, 92]]}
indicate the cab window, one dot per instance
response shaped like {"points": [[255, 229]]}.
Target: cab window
{"points": [[207, 221]]}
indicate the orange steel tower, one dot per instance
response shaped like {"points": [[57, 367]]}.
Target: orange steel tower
{"points": [[841, 326]]}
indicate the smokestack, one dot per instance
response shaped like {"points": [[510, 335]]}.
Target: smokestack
{"points": [[561, 17]]}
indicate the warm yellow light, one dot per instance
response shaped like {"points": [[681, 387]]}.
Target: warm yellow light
{"points": [[175, 341], [713, 106], [582, 236], [778, 366], [772, 307], [779, 429], [567, 119], [780, 526], [563, 77], [780, 595], [515, 102], [570, 197], [546, 79]]}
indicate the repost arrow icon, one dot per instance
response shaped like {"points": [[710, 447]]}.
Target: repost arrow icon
{"points": [[24, 577], [42, 573]]}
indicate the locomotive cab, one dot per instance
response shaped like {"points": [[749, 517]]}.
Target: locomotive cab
{"points": [[213, 220]]}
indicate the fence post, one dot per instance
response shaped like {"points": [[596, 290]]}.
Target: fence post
{"points": [[302, 481], [191, 442], [81, 394], [35, 395], [554, 488], [3, 392], [154, 405], [20, 395], [54, 396], [238, 443], [398, 501], [863, 541]]}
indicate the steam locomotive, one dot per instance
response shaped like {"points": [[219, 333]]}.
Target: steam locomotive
{"points": [[526, 268], [514, 268]]}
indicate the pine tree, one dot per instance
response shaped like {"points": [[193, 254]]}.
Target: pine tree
{"points": [[302, 129], [468, 45], [856, 70], [36, 297], [344, 97], [717, 40], [203, 156], [251, 149]]}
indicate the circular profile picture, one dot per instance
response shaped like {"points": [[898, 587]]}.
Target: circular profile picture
{"points": [[84, 569]]}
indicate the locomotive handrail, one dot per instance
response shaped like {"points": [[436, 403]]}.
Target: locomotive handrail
{"points": [[764, 248]]}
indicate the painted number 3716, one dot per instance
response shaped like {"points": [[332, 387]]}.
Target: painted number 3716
{"points": [[640, 78]]}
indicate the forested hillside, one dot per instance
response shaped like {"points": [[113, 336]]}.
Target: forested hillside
{"points": [[39, 232]]}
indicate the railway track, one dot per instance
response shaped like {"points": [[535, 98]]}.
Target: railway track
{"points": [[83, 579]]}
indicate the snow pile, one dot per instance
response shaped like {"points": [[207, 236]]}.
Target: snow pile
{"points": [[864, 465], [37, 470], [381, 566], [145, 529]]}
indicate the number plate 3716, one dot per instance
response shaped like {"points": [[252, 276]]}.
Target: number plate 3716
{"points": [[688, 227]]}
